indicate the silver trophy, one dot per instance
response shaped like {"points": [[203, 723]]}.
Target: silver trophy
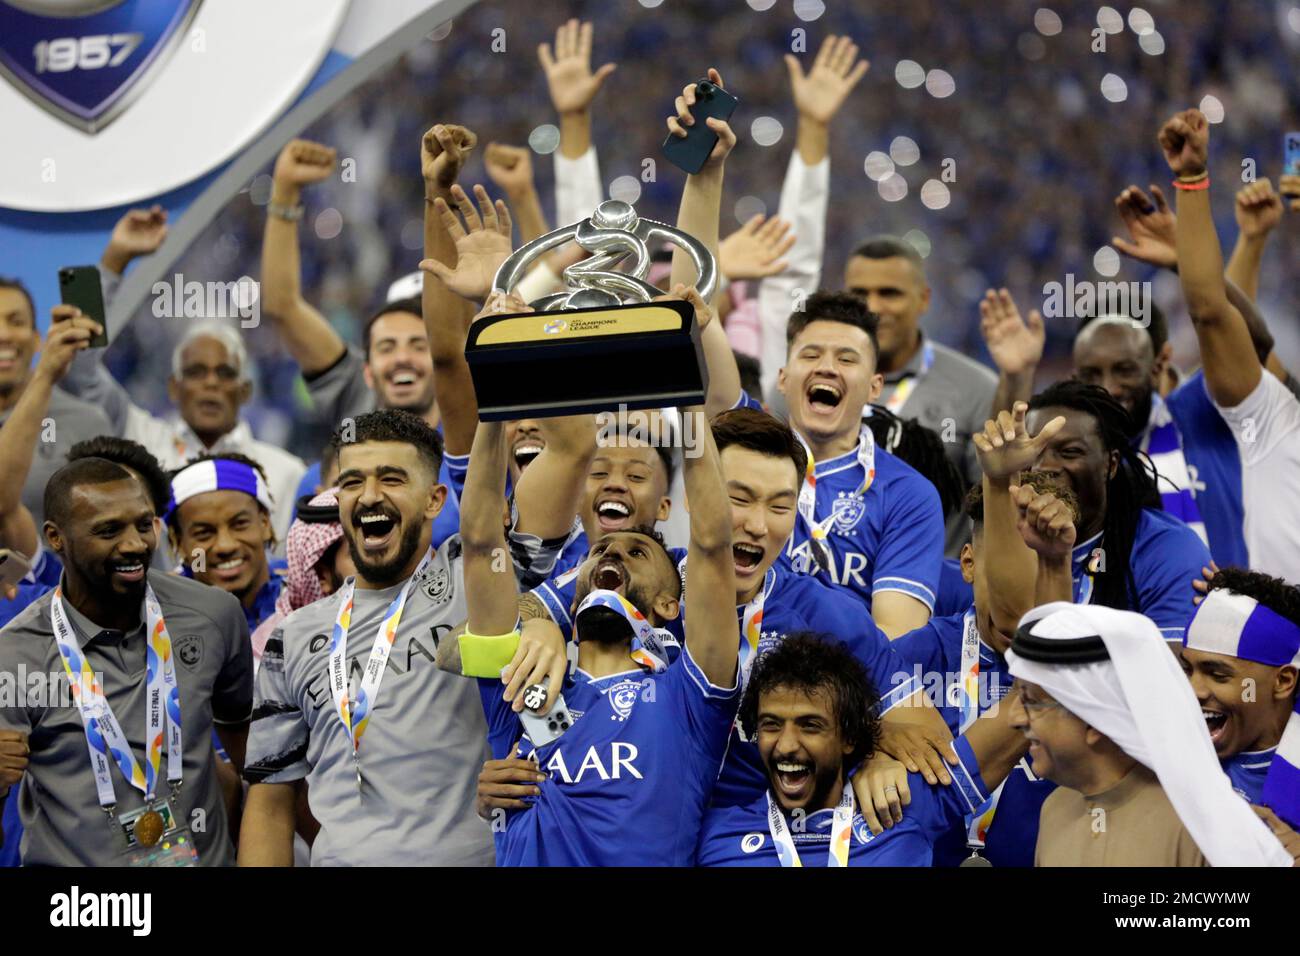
{"points": [[601, 344], [613, 235]]}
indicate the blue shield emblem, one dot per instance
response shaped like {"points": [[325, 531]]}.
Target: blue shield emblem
{"points": [[84, 61], [848, 512]]}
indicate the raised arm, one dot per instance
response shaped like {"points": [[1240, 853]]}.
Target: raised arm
{"points": [[491, 591], [698, 217], [550, 489], [1046, 522], [1152, 228], [1258, 209], [1232, 367], [996, 744], [1005, 449], [712, 633], [310, 339], [69, 333], [573, 86], [1015, 345], [139, 232], [478, 249], [511, 168], [818, 96]]}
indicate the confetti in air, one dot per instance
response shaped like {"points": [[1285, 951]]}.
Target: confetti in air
{"points": [[766, 130], [1106, 261], [1047, 22], [1114, 88], [878, 165], [625, 188], [544, 139], [904, 151]]}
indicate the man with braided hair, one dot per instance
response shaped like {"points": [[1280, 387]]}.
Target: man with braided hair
{"points": [[1130, 554]]}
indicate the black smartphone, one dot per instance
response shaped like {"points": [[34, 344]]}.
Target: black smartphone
{"points": [[689, 152], [80, 286]]}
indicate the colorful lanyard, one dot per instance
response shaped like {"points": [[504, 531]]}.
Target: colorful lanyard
{"points": [[649, 644], [841, 830], [978, 830], [356, 719], [818, 530], [751, 627], [970, 671], [904, 388], [104, 734]]}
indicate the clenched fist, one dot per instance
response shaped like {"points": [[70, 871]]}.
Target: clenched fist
{"points": [[1185, 139], [443, 152], [302, 163]]}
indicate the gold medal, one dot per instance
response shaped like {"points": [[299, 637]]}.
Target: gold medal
{"points": [[149, 828]]}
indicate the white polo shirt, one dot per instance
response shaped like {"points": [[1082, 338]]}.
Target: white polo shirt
{"points": [[1266, 426]]}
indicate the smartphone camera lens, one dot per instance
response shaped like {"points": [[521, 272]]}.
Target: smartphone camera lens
{"points": [[704, 90]]}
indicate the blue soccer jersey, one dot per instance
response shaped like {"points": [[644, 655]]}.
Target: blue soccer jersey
{"points": [[933, 655], [1214, 466], [559, 591], [739, 836], [1248, 770], [791, 602], [1167, 556], [627, 784], [955, 594], [795, 602], [889, 539]]}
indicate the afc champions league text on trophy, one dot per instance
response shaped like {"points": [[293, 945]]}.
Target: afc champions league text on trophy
{"points": [[601, 343]]}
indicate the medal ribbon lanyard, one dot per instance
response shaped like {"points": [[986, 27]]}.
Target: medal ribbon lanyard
{"points": [[818, 530], [970, 672], [981, 819], [104, 736], [751, 627], [841, 830], [904, 388], [355, 719]]}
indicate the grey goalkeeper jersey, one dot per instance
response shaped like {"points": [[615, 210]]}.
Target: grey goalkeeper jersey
{"points": [[422, 749]]}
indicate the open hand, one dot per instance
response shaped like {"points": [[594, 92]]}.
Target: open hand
{"points": [[482, 244], [1016, 347], [1151, 224], [568, 72], [819, 93], [754, 250]]}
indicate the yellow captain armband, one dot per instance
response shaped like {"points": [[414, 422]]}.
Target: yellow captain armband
{"points": [[484, 656]]}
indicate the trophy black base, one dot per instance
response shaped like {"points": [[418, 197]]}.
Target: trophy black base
{"points": [[548, 364]]}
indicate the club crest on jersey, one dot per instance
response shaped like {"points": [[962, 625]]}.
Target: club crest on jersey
{"points": [[848, 511], [752, 842], [768, 641], [862, 831], [189, 650], [623, 697], [85, 61], [438, 585]]}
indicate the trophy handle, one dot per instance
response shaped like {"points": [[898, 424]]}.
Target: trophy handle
{"points": [[611, 234]]}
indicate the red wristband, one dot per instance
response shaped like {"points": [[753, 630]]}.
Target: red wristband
{"points": [[1193, 187]]}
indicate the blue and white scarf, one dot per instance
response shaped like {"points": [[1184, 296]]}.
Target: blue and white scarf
{"points": [[1163, 443]]}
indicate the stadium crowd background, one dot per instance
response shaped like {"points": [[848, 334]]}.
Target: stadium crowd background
{"points": [[1039, 150]]}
